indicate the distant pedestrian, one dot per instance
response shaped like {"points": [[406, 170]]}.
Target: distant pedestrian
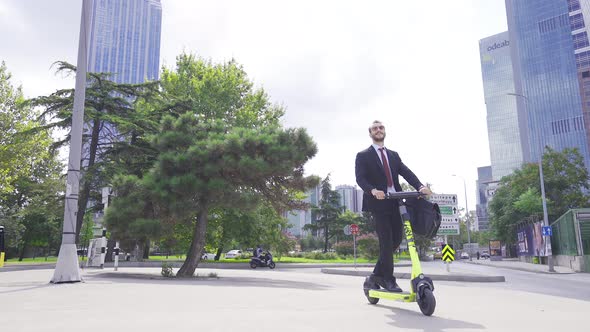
{"points": [[478, 255]]}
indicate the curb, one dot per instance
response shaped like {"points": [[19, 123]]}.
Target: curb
{"points": [[520, 268], [439, 277]]}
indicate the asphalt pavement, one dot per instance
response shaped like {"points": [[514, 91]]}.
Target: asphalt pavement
{"points": [[285, 299]]}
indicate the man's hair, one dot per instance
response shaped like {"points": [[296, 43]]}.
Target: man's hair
{"points": [[376, 121]]}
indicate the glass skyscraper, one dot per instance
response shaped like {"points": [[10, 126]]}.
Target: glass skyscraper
{"points": [[545, 73], [125, 39], [506, 122]]}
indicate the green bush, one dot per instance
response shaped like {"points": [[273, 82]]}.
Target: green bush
{"points": [[368, 245], [321, 255], [344, 248], [167, 271]]}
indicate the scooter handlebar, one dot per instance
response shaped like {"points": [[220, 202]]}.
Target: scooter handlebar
{"points": [[404, 195]]}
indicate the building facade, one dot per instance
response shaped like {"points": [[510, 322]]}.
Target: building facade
{"points": [[486, 187], [506, 122], [351, 198], [125, 39], [546, 81]]}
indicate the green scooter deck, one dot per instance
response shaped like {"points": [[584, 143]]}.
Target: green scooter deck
{"points": [[396, 296]]}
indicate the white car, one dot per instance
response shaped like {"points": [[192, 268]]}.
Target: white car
{"points": [[464, 255], [233, 254], [207, 256]]}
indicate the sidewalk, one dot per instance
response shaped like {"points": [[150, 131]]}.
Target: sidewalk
{"points": [[516, 264], [434, 270]]}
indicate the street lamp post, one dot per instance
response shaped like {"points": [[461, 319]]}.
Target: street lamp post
{"points": [[544, 200], [466, 216]]}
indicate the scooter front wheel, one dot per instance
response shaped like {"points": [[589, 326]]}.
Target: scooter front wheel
{"points": [[427, 302], [272, 265], [253, 265]]}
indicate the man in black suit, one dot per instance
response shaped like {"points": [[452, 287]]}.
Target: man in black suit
{"points": [[377, 172]]}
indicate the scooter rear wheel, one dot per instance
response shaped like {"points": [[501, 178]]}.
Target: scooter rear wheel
{"points": [[272, 265], [372, 300], [253, 265], [427, 302]]}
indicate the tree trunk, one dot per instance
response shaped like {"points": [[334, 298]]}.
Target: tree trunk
{"points": [[218, 254], [110, 249], [87, 179], [326, 239], [21, 255], [193, 256], [146, 249]]}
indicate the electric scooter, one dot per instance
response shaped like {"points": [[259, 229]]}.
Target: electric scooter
{"points": [[421, 286]]}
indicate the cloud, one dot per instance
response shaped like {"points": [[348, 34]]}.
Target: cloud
{"points": [[335, 65]]}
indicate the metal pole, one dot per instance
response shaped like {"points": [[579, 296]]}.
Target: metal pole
{"points": [[354, 248], [447, 263], [66, 269], [117, 256], [467, 220], [545, 217]]}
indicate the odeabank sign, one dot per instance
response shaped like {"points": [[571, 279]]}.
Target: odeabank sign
{"points": [[498, 45]]}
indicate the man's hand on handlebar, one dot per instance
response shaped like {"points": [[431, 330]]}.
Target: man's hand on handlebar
{"points": [[425, 190], [378, 194]]}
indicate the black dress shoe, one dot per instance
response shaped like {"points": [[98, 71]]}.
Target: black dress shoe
{"points": [[370, 283], [391, 286]]}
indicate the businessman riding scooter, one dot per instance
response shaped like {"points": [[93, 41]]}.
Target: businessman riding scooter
{"points": [[421, 287]]}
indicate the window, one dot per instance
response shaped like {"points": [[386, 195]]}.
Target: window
{"points": [[580, 40], [577, 22], [573, 5]]}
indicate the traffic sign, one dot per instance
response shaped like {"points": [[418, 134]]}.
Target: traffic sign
{"points": [[447, 203], [347, 230], [448, 210], [448, 254], [444, 199], [547, 231], [354, 229]]}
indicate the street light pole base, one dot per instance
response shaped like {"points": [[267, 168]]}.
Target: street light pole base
{"points": [[66, 269]]}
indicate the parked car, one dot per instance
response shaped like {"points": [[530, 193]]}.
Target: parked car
{"points": [[207, 256], [464, 255], [233, 254], [485, 254], [437, 255]]}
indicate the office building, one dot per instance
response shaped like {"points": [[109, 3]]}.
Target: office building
{"points": [[351, 198], [125, 39], [506, 122], [546, 81], [486, 187]]}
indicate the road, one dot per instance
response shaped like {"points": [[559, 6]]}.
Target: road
{"points": [[136, 299], [572, 286]]}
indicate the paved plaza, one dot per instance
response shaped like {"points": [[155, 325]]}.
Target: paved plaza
{"points": [[139, 299]]}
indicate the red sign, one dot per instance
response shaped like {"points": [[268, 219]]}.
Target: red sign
{"points": [[354, 229]]}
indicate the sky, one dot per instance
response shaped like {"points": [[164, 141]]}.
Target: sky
{"points": [[334, 65]]}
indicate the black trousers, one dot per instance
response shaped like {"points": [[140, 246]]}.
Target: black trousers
{"points": [[389, 231]]}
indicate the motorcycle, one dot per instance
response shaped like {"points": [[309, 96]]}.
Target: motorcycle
{"points": [[264, 260]]}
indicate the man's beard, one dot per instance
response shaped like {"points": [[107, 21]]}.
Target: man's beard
{"points": [[378, 139]]}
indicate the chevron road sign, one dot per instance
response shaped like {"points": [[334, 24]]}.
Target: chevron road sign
{"points": [[448, 254]]}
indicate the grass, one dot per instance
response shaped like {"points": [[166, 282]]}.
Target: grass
{"points": [[36, 260], [284, 259]]}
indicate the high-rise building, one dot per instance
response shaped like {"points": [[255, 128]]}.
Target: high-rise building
{"points": [[297, 219], [578, 10], [506, 122], [486, 187], [351, 198], [545, 72], [125, 39]]}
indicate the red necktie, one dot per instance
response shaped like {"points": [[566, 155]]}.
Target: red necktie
{"points": [[386, 167]]}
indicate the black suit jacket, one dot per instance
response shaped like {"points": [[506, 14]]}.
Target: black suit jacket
{"points": [[371, 175]]}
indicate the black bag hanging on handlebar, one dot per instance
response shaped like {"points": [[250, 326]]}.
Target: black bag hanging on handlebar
{"points": [[425, 217]]}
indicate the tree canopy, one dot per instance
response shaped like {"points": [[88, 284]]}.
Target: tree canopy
{"points": [[519, 194]]}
